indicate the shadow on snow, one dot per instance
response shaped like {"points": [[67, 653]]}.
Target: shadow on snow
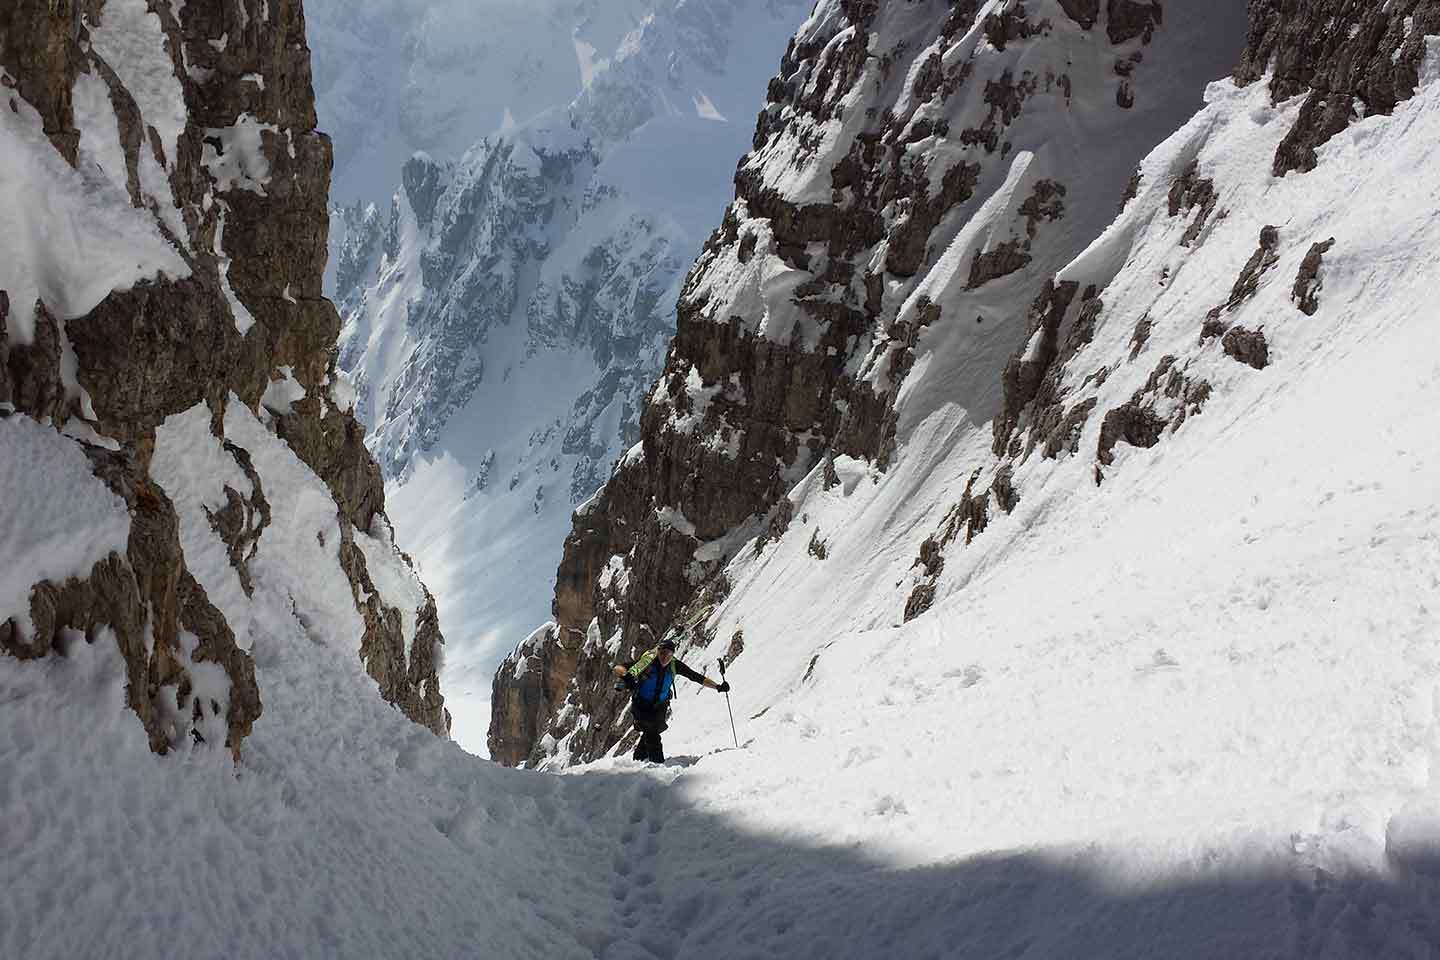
{"points": [[700, 887]]}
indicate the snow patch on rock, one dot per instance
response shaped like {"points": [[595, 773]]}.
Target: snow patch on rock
{"points": [[57, 520], [70, 237]]}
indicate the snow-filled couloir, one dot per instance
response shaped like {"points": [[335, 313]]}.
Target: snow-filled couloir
{"points": [[508, 309], [1103, 626]]}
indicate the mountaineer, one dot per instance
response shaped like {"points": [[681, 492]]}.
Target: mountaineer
{"points": [[651, 680]]}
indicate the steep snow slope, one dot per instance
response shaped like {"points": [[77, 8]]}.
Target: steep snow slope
{"points": [[1192, 634], [919, 172], [1229, 643], [506, 316]]}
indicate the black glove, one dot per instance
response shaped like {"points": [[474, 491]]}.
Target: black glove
{"points": [[619, 685], [724, 687]]}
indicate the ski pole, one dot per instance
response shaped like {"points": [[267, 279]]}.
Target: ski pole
{"points": [[721, 662]]}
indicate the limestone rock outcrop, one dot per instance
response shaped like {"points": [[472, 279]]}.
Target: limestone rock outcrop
{"points": [[1347, 60], [1344, 61], [217, 145]]}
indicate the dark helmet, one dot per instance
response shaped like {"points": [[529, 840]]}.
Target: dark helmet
{"points": [[667, 644]]}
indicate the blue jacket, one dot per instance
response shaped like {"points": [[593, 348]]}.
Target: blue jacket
{"points": [[655, 684]]}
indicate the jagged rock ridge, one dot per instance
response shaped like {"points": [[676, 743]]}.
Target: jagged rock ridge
{"points": [[194, 125]]}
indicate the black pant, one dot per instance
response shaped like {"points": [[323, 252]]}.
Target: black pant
{"points": [[651, 721]]}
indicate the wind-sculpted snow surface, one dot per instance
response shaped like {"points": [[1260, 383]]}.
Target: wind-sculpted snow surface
{"points": [[183, 477], [508, 311]]}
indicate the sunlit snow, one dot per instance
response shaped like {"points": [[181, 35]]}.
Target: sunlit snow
{"points": [[1190, 712]]}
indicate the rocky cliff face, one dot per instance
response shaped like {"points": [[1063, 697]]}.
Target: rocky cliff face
{"points": [[908, 245], [916, 169], [1347, 61], [188, 133], [1341, 63]]}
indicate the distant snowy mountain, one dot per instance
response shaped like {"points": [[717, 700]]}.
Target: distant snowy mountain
{"points": [[507, 312], [396, 76]]}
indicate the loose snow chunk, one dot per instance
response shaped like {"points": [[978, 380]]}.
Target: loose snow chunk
{"points": [[726, 441], [209, 683], [193, 468], [282, 394], [592, 636], [700, 397], [70, 238], [342, 392], [57, 520], [528, 646], [78, 429], [675, 520], [615, 575], [634, 455], [240, 163], [850, 471], [393, 578], [132, 41]]}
